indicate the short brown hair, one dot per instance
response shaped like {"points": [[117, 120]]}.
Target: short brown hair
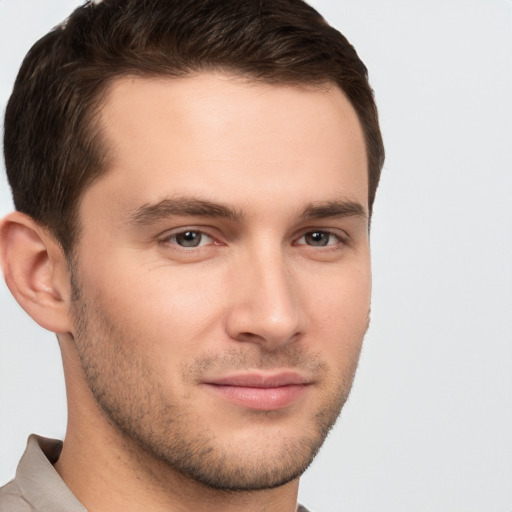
{"points": [[52, 143]]}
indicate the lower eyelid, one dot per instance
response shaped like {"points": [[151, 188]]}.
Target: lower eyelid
{"points": [[337, 238], [170, 238], [207, 239]]}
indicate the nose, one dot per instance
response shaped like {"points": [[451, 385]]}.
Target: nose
{"points": [[265, 306]]}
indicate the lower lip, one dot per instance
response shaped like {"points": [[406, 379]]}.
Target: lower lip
{"points": [[260, 399]]}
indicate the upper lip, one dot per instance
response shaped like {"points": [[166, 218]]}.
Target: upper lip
{"points": [[260, 380]]}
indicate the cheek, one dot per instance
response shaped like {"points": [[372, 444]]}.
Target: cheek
{"points": [[173, 311], [157, 305], [341, 311]]}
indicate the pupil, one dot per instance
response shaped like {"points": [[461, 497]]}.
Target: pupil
{"points": [[189, 239], [318, 238]]}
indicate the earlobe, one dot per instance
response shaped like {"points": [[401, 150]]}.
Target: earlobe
{"points": [[36, 272]]}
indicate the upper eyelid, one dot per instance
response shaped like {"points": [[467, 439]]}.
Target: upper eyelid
{"points": [[166, 239], [343, 239], [338, 232], [183, 229], [219, 236], [202, 233]]}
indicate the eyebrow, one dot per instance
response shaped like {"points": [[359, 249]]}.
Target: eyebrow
{"points": [[193, 207], [340, 208], [187, 207]]}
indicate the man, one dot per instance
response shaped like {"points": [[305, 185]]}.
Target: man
{"points": [[193, 184]]}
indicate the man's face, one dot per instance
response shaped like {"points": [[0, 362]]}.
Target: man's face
{"points": [[222, 276]]}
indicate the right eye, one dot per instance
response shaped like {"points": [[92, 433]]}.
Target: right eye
{"points": [[189, 238]]}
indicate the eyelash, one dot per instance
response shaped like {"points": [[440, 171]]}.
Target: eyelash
{"points": [[330, 235], [172, 239]]}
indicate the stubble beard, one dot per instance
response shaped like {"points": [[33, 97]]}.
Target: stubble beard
{"points": [[165, 430]]}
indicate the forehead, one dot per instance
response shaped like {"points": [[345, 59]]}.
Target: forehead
{"points": [[217, 136]]}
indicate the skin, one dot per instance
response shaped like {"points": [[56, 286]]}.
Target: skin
{"points": [[272, 183]]}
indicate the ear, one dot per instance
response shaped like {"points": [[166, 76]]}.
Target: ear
{"points": [[36, 271]]}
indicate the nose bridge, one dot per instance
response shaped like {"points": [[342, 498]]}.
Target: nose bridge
{"points": [[267, 306]]}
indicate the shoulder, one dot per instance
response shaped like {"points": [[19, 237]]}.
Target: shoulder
{"points": [[11, 499]]}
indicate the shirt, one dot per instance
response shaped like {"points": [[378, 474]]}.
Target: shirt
{"points": [[37, 487]]}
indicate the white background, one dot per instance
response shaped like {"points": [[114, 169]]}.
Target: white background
{"points": [[429, 423]]}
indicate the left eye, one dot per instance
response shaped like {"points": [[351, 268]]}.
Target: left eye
{"points": [[190, 238], [318, 239]]}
